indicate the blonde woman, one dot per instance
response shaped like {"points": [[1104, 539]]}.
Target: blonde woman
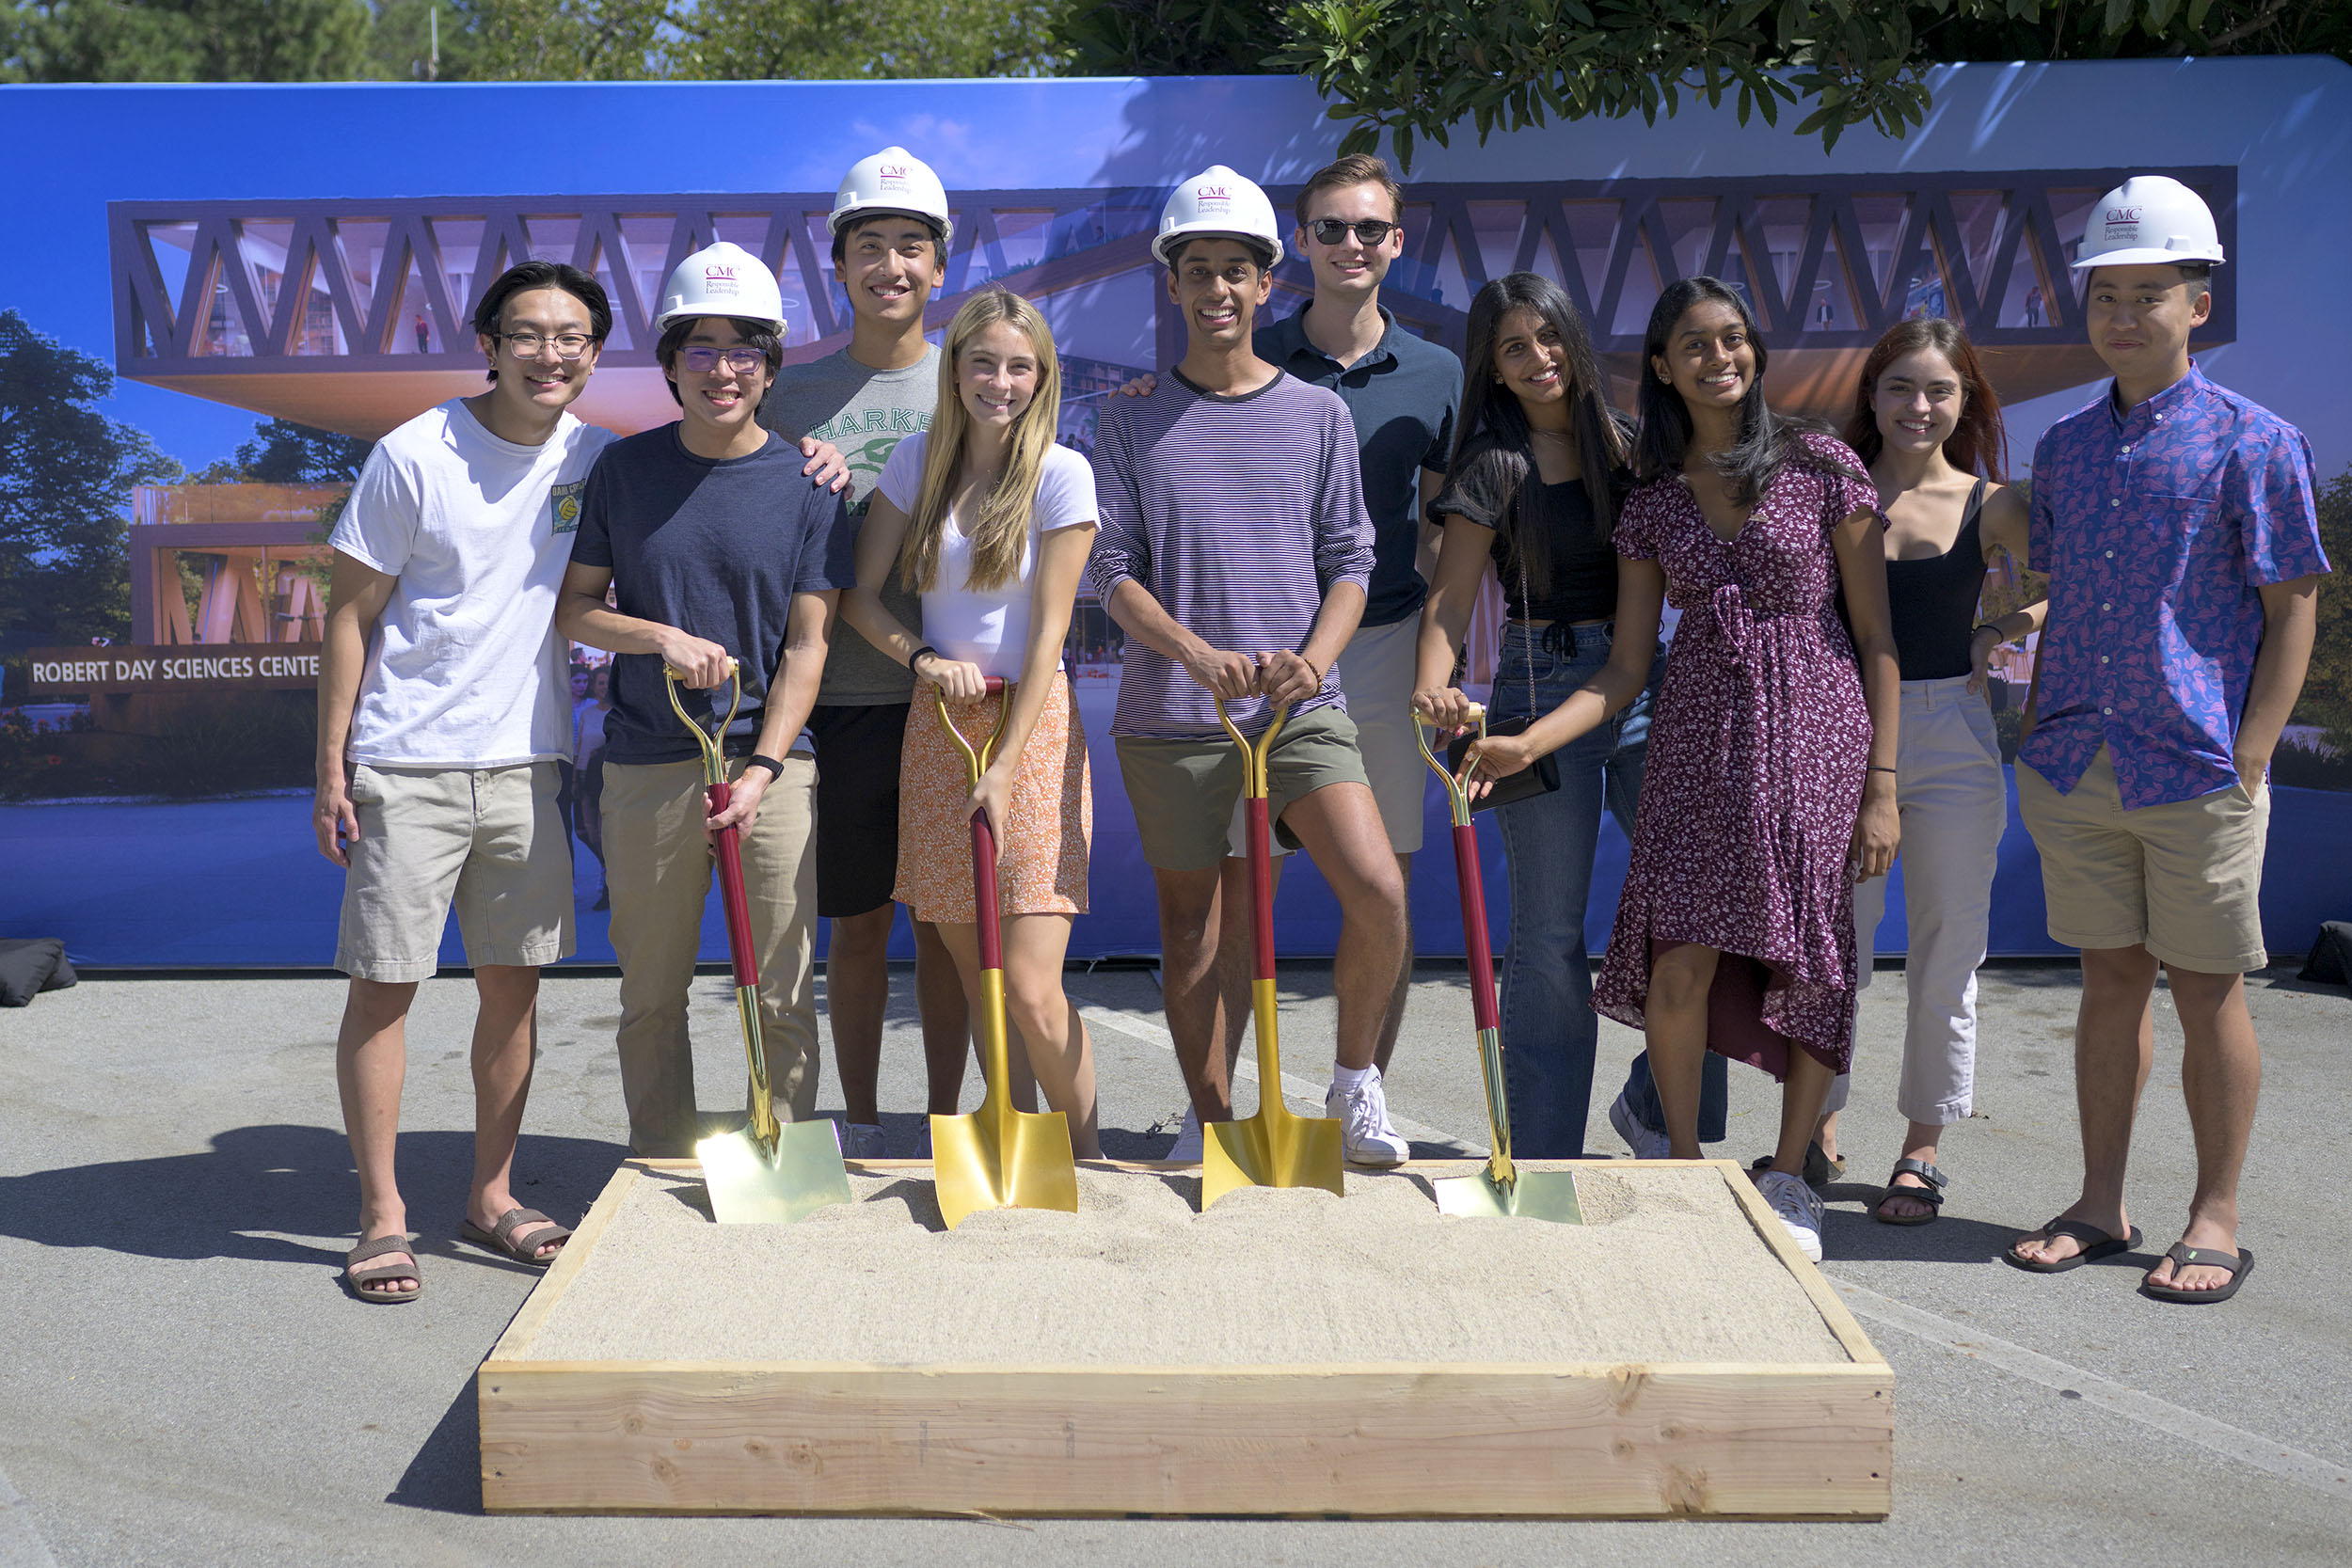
{"points": [[990, 522]]}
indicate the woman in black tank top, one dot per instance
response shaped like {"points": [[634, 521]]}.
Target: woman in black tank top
{"points": [[1929, 425]]}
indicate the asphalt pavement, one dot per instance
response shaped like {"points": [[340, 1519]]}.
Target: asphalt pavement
{"points": [[181, 1381]]}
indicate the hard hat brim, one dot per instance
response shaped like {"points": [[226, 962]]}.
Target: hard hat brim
{"points": [[2146, 256], [1166, 242], [838, 221]]}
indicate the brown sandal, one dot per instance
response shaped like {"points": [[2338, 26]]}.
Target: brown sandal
{"points": [[523, 1249], [375, 1284]]}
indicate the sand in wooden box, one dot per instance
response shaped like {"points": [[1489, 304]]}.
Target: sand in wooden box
{"points": [[1285, 1353]]}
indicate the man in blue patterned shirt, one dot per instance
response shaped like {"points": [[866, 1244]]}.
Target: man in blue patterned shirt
{"points": [[2176, 521]]}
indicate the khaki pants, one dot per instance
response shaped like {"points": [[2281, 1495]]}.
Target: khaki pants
{"points": [[659, 867]]}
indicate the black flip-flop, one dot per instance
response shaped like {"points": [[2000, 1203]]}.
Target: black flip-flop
{"points": [[2096, 1244], [2184, 1255], [1932, 1194]]}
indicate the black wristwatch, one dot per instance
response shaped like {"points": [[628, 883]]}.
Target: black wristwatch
{"points": [[775, 769]]}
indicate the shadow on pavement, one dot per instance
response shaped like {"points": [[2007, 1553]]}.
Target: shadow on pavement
{"points": [[288, 1180], [446, 1475]]}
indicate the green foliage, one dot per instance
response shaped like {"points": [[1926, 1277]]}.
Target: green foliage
{"points": [[284, 452], [185, 41], [763, 39], [65, 472], [1417, 69]]}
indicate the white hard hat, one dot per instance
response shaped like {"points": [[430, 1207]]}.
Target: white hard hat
{"points": [[892, 181], [2149, 218], [722, 279], [1218, 201]]}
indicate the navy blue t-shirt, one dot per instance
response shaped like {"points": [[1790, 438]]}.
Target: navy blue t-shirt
{"points": [[1403, 396], [716, 547]]}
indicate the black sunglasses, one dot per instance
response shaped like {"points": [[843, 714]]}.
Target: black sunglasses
{"points": [[1333, 230]]}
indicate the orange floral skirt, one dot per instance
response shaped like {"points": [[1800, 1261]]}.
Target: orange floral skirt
{"points": [[1049, 828]]}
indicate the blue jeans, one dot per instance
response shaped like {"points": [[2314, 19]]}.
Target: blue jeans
{"points": [[1548, 1029]]}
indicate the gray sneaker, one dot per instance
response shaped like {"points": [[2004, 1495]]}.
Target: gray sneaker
{"points": [[1646, 1144], [1798, 1208], [863, 1141]]}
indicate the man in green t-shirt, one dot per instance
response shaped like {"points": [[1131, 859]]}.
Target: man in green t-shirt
{"points": [[891, 231]]}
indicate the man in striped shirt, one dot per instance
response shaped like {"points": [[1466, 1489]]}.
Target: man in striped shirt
{"points": [[1235, 552]]}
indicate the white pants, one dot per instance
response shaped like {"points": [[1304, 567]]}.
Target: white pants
{"points": [[1952, 794]]}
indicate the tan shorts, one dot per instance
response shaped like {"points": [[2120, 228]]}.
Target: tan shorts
{"points": [[491, 840], [1183, 791], [2183, 879], [1376, 674]]}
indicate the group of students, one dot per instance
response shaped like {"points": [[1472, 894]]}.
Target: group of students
{"points": [[1294, 522]]}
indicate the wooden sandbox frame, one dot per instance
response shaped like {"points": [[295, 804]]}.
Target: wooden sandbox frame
{"points": [[1450, 1440]]}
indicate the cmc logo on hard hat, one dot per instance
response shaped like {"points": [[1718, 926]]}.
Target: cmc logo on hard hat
{"points": [[715, 275], [1212, 192], [892, 171]]}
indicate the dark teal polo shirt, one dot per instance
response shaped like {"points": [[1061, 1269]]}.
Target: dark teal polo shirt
{"points": [[1404, 396]]}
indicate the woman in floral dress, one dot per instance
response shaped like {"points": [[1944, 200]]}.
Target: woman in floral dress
{"points": [[1771, 785]]}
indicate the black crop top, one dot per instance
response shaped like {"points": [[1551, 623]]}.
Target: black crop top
{"points": [[1933, 602], [1583, 564]]}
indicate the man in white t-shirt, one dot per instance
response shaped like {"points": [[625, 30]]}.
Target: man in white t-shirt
{"points": [[442, 715]]}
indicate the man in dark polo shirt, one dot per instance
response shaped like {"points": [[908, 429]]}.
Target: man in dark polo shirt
{"points": [[1402, 391]]}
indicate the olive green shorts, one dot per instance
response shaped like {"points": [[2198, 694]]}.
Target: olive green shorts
{"points": [[1183, 791]]}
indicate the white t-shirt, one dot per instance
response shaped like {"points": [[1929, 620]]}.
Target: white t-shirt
{"points": [[989, 629], [466, 669]]}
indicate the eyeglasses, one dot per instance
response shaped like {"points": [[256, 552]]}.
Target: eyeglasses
{"points": [[743, 362], [1333, 230], [568, 345]]}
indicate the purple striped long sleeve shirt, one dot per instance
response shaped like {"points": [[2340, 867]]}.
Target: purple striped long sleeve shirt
{"points": [[1238, 515]]}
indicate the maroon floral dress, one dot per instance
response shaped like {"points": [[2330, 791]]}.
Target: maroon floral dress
{"points": [[1758, 746]]}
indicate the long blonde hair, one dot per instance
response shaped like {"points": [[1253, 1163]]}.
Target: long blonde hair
{"points": [[1001, 533]]}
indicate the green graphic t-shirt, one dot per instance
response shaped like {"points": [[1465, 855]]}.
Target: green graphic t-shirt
{"points": [[865, 413]]}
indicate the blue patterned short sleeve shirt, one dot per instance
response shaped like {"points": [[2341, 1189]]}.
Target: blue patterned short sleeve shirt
{"points": [[2156, 528]]}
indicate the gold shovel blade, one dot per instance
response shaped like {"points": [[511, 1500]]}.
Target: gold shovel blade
{"points": [[1276, 1148], [1012, 1160], [753, 1185], [1531, 1194]]}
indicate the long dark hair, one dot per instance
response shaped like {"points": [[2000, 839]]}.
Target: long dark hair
{"points": [[1766, 440], [1493, 427], [1977, 444]]}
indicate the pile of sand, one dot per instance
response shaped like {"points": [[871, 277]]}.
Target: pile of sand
{"points": [[1666, 1269]]}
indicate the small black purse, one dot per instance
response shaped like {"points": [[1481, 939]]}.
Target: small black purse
{"points": [[1540, 777]]}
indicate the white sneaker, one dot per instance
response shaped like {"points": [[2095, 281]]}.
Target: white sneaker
{"points": [[1365, 1135], [863, 1141], [1797, 1206], [1187, 1150], [1646, 1144]]}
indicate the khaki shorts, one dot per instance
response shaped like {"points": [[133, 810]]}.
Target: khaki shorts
{"points": [[1183, 791], [2182, 879], [490, 840], [1376, 674]]}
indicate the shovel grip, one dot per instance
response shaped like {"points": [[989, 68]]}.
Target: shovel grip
{"points": [[1482, 951], [984, 892], [1261, 887], [727, 845]]}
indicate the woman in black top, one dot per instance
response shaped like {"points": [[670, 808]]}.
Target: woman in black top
{"points": [[1531, 500], [1926, 422]]}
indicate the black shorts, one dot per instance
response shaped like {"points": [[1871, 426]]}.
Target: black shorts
{"points": [[857, 805]]}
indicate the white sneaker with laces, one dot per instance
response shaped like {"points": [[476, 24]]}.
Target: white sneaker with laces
{"points": [[863, 1141], [1797, 1206], [1187, 1150], [1365, 1136], [1646, 1144]]}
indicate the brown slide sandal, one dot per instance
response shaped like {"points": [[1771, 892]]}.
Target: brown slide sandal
{"points": [[523, 1249], [375, 1284]]}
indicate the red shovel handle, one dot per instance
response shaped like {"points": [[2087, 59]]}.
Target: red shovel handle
{"points": [[1482, 951], [727, 844]]}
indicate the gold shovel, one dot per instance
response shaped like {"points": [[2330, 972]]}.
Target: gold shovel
{"points": [[1276, 1148], [769, 1172], [1501, 1191], [996, 1157]]}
